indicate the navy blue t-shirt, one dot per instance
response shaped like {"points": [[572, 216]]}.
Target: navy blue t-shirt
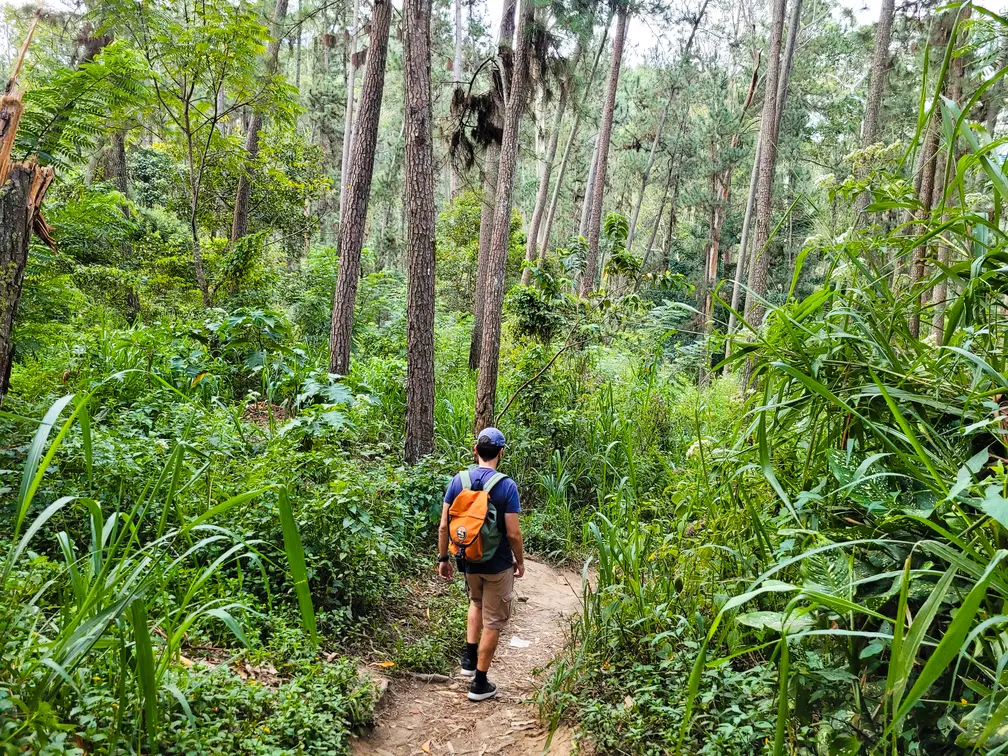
{"points": [[504, 497]]}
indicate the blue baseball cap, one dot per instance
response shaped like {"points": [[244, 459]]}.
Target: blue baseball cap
{"points": [[491, 436]]}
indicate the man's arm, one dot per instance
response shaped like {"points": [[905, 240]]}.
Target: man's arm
{"points": [[514, 535], [444, 565]]}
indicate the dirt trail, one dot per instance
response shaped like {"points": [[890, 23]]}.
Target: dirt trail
{"points": [[437, 718]]}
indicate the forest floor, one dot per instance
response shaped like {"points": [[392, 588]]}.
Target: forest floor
{"points": [[436, 718]]}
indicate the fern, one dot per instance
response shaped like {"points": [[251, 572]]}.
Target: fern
{"points": [[67, 112]]}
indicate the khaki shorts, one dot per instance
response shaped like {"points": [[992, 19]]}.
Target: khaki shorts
{"points": [[493, 594]]}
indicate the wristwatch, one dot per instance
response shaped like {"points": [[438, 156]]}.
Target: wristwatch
{"points": [[444, 558]]}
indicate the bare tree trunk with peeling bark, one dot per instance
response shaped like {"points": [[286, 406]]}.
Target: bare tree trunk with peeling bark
{"points": [[486, 384], [358, 192], [239, 224], [605, 135], [491, 158], [419, 231]]}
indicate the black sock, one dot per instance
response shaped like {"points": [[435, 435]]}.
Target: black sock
{"points": [[480, 678], [472, 650]]}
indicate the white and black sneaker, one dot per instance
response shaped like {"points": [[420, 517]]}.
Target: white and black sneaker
{"points": [[481, 690], [468, 664]]}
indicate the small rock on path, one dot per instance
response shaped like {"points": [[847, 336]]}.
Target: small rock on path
{"points": [[430, 718]]}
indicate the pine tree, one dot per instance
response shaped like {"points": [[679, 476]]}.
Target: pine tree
{"points": [[419, 233], [358, 192]]}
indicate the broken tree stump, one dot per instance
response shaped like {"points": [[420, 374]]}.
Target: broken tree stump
{"points": [[22, 188]]}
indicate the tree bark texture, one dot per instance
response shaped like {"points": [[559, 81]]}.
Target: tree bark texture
{"points": [[358, 191], [486, 385], [239, 224], [419, 231], [605, 135], [547, 228], [505, 40]]}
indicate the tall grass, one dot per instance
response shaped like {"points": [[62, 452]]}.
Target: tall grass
{"points": [[110, 597]]}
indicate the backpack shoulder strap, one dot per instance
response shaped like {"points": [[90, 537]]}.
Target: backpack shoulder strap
{"points": [[493, 480], [466, 480]]}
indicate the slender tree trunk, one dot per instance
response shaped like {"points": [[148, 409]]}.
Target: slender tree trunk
{"points": [[661, 125], [605, 135], [348, 118], [654, 226], [930, 158], [456, 82], [646, 176], [486, 385], [953, 92], [358, 191], [491, 158], [589, 189], [540, 202], [547, 227], [876, 86], [742, 247], [419, 230], [239, 224], [764, 186]]}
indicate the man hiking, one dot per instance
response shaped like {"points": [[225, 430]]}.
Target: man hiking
{"points": [[485, 536]]}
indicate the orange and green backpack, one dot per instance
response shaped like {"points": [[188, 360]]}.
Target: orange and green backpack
{"points": [[473, 526]]}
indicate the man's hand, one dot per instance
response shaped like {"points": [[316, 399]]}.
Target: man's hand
{"points": [[445, 569], [519, 569]]}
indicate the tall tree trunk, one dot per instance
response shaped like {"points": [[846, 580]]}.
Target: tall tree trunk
{"points": [[348, 117], [505, 41], [929, 158], [742, 246], [358, 191], [547, 227], [589, 190], [239, 224], [876, 86], [953, 92], [605, 135], [486, 385], [655, 225], [419, 231], [544, 181], [769, 125], [456, 82]]}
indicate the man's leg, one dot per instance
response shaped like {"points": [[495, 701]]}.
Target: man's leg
{"points": [[496, 610], [487, 649], [474, 623]]}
